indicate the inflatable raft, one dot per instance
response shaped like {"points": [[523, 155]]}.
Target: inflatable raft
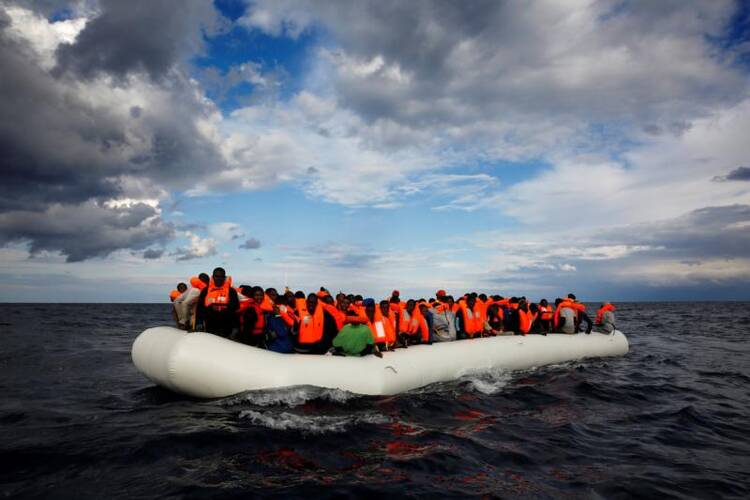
{"points": [[207, 366]]}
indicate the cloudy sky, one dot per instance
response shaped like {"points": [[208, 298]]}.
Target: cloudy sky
{"points": [[595, 146]]}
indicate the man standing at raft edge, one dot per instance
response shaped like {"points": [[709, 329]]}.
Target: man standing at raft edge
{"points": [[217, 305]]}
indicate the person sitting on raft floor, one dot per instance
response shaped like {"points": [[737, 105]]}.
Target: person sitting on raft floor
{"points": [[293, 322]]}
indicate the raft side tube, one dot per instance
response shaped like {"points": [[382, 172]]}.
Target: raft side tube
{"points": [[207, 366]]}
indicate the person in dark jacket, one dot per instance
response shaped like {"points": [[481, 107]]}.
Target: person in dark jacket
{"points": [[217, 305]]}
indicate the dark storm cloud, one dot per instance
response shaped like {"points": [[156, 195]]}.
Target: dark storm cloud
{"points": [[251, 244], [142, 35], [738, 174], [87, 230], [694, 240], [153, 253], [432, 64], [710, 232], [70, 141]]}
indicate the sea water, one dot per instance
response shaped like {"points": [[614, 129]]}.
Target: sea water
{"points": [[670, 419]]}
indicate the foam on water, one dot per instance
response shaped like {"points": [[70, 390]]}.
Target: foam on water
{"points": [[312, 424], [487, 383], [289, 396]]}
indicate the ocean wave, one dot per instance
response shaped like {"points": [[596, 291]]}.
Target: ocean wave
{"points": [[312, 424], [289, 396]]}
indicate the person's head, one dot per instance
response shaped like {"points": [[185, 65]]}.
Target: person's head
{"points": [[543, 302], [533, 308], [369, 305], [258, 294], [272, 293], [440, 295], [281, 300], [558, 301], [246, 290], [471, 300], [431, 301], [450, 300], [181, 287], [492, 310], [483, 297], [344, 303], [358, 299], [423, 308], [394, 300], [410, 305], [299, 294], [571, 296], [496, 298], [204, 278], [312, 302], [473, 294], [513, 300], [384, 308], [327, 299], [219, 276], [289, 296]]}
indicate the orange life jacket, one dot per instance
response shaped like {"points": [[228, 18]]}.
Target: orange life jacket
{"points": [[525, 320], [195, 282], [391, 327], [301, 306], [218, 297], [260, 322], [600, 313], [174, 294], [267, 304], [414, 324], [287, 315], [338, 315], [546, 312], [473, 321], [379, 327], [577, 307], [311, 326]]}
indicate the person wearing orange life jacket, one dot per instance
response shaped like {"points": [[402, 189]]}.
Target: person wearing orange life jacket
{"points": [[279, 324], [181, 288], [377, 324], [300, 302], [425, 311], [389, 318], [444, 318], [316, 328], [469, 321], [569, 314], [253, 318], [217, 305], [411, 324], [581, 315], [173, 295], [185, 305], [605, 317], [494, 322], [546, 316], [511, 314]]}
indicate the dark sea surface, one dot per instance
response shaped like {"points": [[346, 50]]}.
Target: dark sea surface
{"points": [[669, 420]]}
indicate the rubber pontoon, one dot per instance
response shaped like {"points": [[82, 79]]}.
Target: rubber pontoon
{"points": [[207, 366]]}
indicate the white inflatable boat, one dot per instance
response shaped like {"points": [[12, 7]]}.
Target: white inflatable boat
{"points": [[206, 366]]}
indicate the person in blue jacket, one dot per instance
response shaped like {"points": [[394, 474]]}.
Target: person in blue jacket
{"points": [[278, 333]]}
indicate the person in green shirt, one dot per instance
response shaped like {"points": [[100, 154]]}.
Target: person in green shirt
{"points": [[356, 340]]}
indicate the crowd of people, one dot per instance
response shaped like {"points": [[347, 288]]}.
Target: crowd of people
{"points": [[346, 324]]}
